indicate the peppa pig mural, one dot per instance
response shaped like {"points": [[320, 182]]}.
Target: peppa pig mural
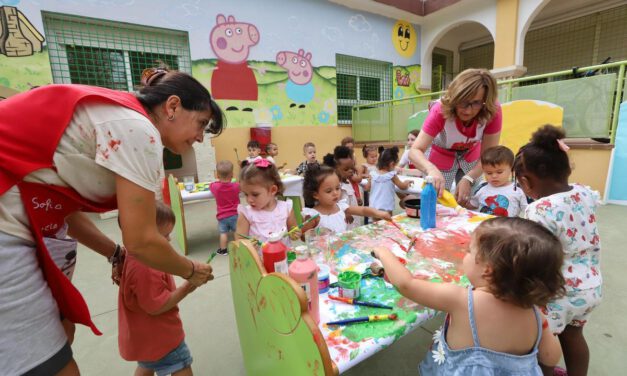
{"points": [[298, 88], [231, 42]]}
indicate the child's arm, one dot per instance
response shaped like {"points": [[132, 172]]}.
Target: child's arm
{"points": [[177, 295], [549, 349], [242, 227], [402, 185], [291, 223], [356, 177], [440, 296], [366, 211], [473, 203]]}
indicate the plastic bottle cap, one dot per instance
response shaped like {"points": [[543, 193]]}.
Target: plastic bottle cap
{"points": [[429, 179], [302, 252], [275, 236]]}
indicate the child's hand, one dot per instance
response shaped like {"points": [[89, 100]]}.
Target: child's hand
{"points": [[384, 215], [313, 224], [296, 234], [188, 287], [378, 251], [349, 218]]}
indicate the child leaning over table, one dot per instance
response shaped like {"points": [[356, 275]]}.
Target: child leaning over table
{"points": [[150, 330], [226, 194]]}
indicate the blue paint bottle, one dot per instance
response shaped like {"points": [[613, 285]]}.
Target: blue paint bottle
{"points": [[428, 199]]}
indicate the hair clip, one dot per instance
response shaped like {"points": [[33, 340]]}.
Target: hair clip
{"points": [[562, 145], [150, 74], [262, 163]]}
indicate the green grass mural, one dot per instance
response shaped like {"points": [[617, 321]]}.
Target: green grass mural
{"points": [[24, 72]]}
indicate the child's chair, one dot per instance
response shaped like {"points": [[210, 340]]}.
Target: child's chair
{"points": [[277, 334], [176, 203]]}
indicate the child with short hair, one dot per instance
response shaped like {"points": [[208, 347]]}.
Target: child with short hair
{"points": [[272, 150], [150, 330], [226, 194], [492, 327], [384, 179], [309, 151], [254, 151], [322, 192], [263, 215], [568, 210], [498, 196], [371, 155], [349, 142], [404, 161]]}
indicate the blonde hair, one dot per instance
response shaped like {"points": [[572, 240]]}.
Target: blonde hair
{"points": [[224, 169], [465, 86]]}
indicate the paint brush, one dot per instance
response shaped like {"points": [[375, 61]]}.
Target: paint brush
{"points": [[211, 256], [236, 154], [371, 318], [400, 228], [359, 302], [255, 241], [290, 232]]}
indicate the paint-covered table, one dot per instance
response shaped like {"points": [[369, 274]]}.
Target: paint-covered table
{"points": [[436, 256]]}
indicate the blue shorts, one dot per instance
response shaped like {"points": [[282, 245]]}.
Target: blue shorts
{"points": [[228, 224], [176, 360]]}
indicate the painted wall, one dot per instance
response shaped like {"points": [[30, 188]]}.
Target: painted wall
{"points": [[590, 167], [265, 62]]}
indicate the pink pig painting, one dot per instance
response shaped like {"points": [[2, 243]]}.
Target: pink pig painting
{"points": [[299, 88], [231, 41]]}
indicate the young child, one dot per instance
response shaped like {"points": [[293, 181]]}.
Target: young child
{"points": [[497, 195], [342, 161], [404, 161], [309, 151], [226, 194], [150, 330], [383, 180], [264, 214], [542, 169], [493, 327], [371, 154], [254, 151], [321, 191], [272, 150], [357, 177]]}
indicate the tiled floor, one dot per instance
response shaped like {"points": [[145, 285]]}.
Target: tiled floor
{"points": [[212, 334]]}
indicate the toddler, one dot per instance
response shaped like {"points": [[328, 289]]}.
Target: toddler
{"points": [[371, 155], [404, 161], [498, 196], [226, 194], [321, 191], [357, 176], [309, 151], [254, 151], [150, 328], [342, 161], [264, 214], [492, 327], [542, 169], [272, 150], [383, 180]]}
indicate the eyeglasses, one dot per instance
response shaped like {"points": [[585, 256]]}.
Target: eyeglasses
{"points": [[475, 105]]}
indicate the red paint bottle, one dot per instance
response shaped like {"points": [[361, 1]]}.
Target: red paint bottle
{"points": [[275, 254]]}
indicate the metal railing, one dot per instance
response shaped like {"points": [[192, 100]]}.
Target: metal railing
{"points": [[591, 103]]}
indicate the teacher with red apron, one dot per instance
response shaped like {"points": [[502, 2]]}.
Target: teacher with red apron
{"points": [[463, 123], [70, 149]]}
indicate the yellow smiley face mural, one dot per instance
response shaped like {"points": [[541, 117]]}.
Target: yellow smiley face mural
{"points": [[404, 38]]}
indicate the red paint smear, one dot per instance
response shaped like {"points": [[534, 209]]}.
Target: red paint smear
{"points": [[448, 245]]}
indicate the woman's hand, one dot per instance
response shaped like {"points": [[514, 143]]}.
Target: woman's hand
{"points": [[462, 192], [202, 273], [439, 183]]}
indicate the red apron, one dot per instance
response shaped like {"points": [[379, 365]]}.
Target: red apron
{"points": [[31, 126]]}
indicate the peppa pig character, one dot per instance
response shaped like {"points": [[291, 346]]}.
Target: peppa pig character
{"points": [[231, 42], [299, 88]]}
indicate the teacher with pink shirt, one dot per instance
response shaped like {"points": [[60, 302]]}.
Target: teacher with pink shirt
{"points": [[460, 126]]}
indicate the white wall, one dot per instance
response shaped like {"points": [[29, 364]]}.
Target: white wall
{"points": [[527, 12]]}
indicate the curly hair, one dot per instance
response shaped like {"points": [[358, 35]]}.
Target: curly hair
{"points": [[526, 260], [465, 86], [267, 176], [340, 152], [387, 156], [313, 178], [543, 157]]}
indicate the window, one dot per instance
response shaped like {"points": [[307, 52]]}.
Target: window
{"points": [[360, 81], [110, 54]]}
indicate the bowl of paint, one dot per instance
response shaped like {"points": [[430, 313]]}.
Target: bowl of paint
{"points": [[349, 283], [323, 278], [412, 208]]}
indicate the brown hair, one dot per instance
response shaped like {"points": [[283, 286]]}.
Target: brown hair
{"points": [[313, 178], [526, 260], [308, 145], [543, 157], [367, 149], [158, 84], [165, 215], [251, 174], [224, 168], [497, 155], [347, 140], [269, 145], [465, 86], [415, 132]]}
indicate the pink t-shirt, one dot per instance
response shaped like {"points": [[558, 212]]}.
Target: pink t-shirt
{"points": [[264, 222], [141, 336], [227, 198], [451, 136]]}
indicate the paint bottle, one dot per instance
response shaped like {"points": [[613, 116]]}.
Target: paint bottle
{"points": [[275, 254], [305, 272], [428, 198]]}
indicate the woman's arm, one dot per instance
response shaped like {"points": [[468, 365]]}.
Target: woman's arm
{"points": [[417, 156], [137, 213], [440, 296], [402, 185], [464, 188], [81, 228]]}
